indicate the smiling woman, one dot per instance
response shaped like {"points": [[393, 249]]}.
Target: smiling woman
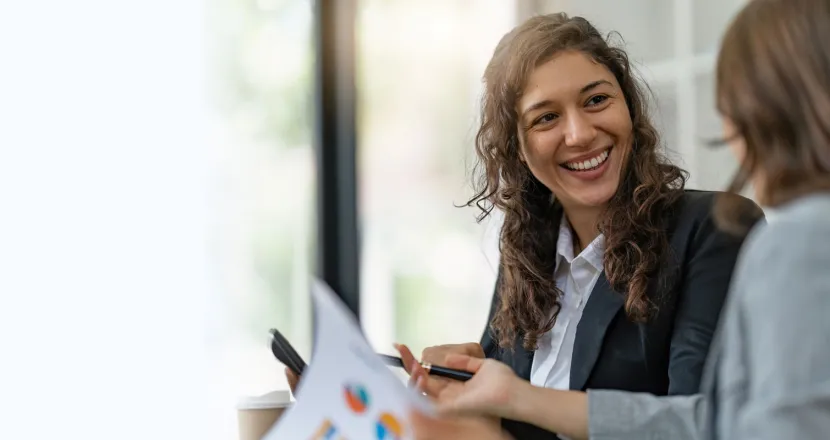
{"points": [[579, 102], [612, 275], [576, 127]]}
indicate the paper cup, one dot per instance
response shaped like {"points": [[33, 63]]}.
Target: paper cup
{"points": [[256, 415]]}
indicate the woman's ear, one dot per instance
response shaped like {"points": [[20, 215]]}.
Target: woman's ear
{"points": [[517, 141]]}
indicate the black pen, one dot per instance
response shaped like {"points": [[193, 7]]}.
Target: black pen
{"points": [[432, 370]]}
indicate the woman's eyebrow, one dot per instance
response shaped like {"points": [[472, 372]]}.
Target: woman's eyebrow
{"points": [[593, 85]]}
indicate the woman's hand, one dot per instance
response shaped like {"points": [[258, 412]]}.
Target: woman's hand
{"points": [[495, 391], [293, 380], [437, 355], [456, 428], [489, 393]]}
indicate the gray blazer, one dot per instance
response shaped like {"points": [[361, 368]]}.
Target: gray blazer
{"points": [[768, 371]]}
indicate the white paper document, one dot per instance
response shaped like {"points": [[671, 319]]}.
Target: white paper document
{"points": [[347, 392]]}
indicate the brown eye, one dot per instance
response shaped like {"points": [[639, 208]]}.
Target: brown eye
{"points": [[547, 117], [597, 100]]}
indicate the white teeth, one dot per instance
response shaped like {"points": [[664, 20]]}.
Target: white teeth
{"points": [[588, 164]]}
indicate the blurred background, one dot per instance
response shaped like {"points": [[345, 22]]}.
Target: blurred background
{"points": [[160, 185]]}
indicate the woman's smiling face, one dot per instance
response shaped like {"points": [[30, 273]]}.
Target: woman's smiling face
{"points": [[576, 129]]}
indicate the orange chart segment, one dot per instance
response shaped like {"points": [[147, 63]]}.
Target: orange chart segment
{"points": [[357, 399]]}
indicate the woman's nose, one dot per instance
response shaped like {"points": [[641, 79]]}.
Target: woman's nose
{"points": [[579, 132]]}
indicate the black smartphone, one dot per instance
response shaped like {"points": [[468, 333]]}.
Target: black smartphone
{"points": [[285, 353]]}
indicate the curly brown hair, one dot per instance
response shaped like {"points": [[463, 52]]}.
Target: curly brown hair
{"points": [[634, 222]]}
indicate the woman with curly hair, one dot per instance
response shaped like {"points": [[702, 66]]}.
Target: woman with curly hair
{"points": [[767, 374], [612, 275]]}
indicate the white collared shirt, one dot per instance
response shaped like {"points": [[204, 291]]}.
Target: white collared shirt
{"points": [[575, 277]]}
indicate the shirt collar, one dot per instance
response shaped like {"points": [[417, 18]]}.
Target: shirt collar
{"points": [[593, 253]]}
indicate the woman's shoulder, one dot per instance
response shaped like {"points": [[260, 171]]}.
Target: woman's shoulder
{"points": [[791, 227], [696, 207], [700, 203], [787, 254]]}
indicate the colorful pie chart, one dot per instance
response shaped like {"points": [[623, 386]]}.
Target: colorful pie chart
{"points": [[357, 399], [389, 428]]}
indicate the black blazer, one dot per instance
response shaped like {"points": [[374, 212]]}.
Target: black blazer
{"points": [[666, 355]]}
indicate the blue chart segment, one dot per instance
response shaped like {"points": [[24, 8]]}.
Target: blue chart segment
{"points": [[389, 428]]}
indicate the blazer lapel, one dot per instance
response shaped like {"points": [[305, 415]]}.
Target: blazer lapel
{"points": [[522, 360], [602, 306]]}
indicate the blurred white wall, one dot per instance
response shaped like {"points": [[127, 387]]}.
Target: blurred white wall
{"points": [[105, 281]]}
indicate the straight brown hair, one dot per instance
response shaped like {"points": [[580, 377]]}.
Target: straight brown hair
{"points": [[773, 83]]}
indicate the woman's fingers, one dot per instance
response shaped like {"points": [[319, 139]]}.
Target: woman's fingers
{"points": [[419, 377], [293, 379], [416, 372], [464, 362], [437, 354], [406, 357], [432, 386]]}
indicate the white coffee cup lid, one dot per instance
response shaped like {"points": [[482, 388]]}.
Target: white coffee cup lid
{"points": [[274, 399]]}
